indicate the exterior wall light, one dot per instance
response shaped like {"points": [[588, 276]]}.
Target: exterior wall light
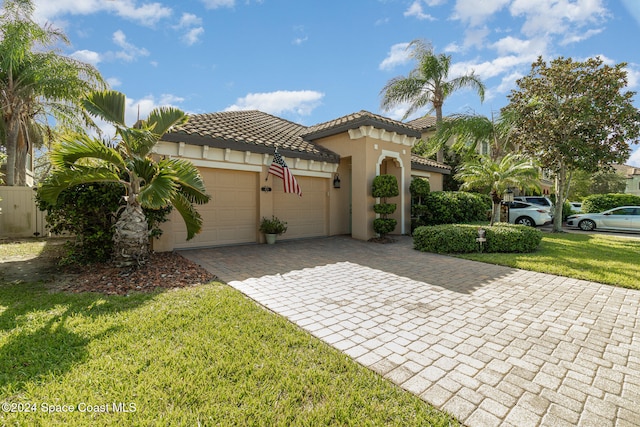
{"points": [[336, 181]]}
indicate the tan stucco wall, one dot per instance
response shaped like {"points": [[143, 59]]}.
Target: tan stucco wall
{"points": [[367, 155], [212, 159], [435, 179]]}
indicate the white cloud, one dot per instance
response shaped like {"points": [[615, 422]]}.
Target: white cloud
{"points": [[634, 160], [398, 55], [114, 82], [633, 77], [146, 14], [299, 40], [475, 36], [129, 52], [476, 12], [215, 4], [557, 16], [88, 56], [192, 36], [189, 20], [301, 102], [416, 10]]}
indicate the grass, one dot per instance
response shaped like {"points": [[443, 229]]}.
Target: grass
{"points": [[204, 355], [600, 258]]}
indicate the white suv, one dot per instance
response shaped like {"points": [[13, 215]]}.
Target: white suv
{"points": [[536, 200]]}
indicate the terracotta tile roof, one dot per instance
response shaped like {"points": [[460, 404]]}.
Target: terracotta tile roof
{"points": [[422, 163], [354, 121], [627, 170], [423, 123], [249, 131]]}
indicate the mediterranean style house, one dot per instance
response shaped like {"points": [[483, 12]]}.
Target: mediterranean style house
{"points": [[333, 162]]}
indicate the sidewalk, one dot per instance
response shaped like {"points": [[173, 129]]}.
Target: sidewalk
{"points": [[492, 345]]}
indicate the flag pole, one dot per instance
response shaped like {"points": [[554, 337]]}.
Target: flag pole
{"points": [[275, 151]]}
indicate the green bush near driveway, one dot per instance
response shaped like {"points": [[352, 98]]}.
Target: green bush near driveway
{"points": [[454, 207], [461, 238], [603, 202]]}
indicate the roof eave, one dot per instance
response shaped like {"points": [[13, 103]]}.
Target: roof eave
{"points": [[357, 123], [246, 146]]}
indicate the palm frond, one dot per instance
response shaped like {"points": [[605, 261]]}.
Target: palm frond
{"points": [[162, 119], [76, 146], [108, 105], [66, 178], [190, 215], [159, 191], [188, 177]]}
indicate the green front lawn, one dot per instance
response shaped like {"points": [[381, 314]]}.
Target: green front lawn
{"points": [[600, 258], [203, 355]]}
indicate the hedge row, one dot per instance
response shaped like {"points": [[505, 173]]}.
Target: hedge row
{"points": [[603, 202], [452, 207], [461, 238]]}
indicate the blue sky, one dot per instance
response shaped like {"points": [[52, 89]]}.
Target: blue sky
{"points": [[310, 61]]}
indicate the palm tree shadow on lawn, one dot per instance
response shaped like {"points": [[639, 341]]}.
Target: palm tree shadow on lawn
{"points": [[38, 336]]}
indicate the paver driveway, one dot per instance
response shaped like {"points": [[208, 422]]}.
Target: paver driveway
{"points": [[491, 345]]}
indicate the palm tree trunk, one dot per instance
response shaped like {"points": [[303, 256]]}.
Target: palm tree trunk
{"points": [[495, 207], [13, 128], [131, 237], [440, 153]]}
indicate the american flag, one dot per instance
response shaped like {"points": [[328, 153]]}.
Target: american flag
{"points": [[279, 168]]}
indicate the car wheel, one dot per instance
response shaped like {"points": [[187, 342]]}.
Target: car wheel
{"points": [[525, 220], [587, 225]]}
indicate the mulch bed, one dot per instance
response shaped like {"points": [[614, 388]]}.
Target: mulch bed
{"points": [[165, 270]]}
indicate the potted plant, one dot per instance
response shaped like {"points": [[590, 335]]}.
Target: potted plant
{"points": [[272, 227]]}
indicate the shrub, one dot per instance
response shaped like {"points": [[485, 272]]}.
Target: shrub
{"points": [[419, 189], [273, 226], [452, 207], [461, 238], [603, 202], [88, 212], [384, 186], [85, 211]]}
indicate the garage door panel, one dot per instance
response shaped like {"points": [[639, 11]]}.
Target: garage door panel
{"points": [[231, 215], [306, 216]]}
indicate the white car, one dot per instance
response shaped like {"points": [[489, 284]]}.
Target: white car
{"points": [[576, 207], [528, 214], [624, 218]]}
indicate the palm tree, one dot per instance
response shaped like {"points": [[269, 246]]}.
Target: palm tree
{"points": [[36, 85], [128, 160], [469, 131], [512, 171], [427, 84]]}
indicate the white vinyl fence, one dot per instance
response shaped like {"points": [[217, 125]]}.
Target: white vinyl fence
{"points": [[19, 215]]}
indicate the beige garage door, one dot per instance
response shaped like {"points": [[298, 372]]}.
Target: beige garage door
{"points": [[306, 216], [231, 215]]}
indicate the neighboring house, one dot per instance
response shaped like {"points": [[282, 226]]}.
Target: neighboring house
{"points": [[427, 127], [233, 151], [632, 174]]}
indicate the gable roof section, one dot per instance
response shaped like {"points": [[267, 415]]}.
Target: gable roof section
{"points": [[428, 165], [253, 131], [423, 123], [354, 121]]}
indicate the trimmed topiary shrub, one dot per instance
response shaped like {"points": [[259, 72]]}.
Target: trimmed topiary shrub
{"points": [[461, 238], [419, 189], [384, 186], [604, 202], [454, 207]]}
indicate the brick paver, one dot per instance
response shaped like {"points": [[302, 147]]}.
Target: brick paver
{"points": [[492, 345]]}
